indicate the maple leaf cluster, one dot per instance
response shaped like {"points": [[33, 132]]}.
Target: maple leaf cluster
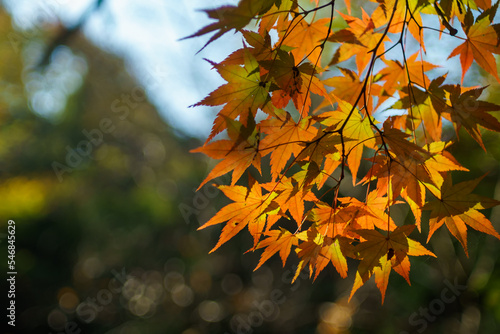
{"points": [[314, 117]]}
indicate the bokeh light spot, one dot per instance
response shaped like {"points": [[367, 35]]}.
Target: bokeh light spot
{"points": [[182, 295], [210, 311], [172, 280], [57, 320]]}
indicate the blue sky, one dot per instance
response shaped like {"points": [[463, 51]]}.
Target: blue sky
{"points": [[147, 35]]}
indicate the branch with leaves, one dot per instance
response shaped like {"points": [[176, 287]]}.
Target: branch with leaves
{"points": [[312, 111]]}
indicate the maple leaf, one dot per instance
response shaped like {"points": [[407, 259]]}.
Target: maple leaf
{"points": [[291, 196], [259, 47], [249, 208], [467, 111], [400, 146], [278, 241], [349, 87], [232, 17], [457, 207], [401, 19], [334, 222], [355, 126], [244, 93], [357, 40], [441, 161], [317, 251], [293, 81], [331, 162], [375, 206], [410, 175], [333, 251], [481, 43], [284, 139], [323, 146], [305, 38], [377, 258], [279, 63], [457, 9], [238, 152], [426, 106], [397, 76], [279, 12]]}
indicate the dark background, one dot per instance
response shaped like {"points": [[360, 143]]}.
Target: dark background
{"points": [[103, 197]]}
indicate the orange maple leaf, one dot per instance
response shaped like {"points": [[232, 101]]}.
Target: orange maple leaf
{"points": [[279, 64], [375, 206], [292, 81], [409, 176], [291, 196], [260, 48], [356, 40], [279, 12], [396, 75], [305, 38], [238, 152], [334, 222], [249, 209], [382, 14], [457, 207], [243, 94], [316, 251], [379, 253], [356, 127], [481, 43], [467, 111], [399, 144], [232, 17], [284, 138], [349, 87], [278, 241]]}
